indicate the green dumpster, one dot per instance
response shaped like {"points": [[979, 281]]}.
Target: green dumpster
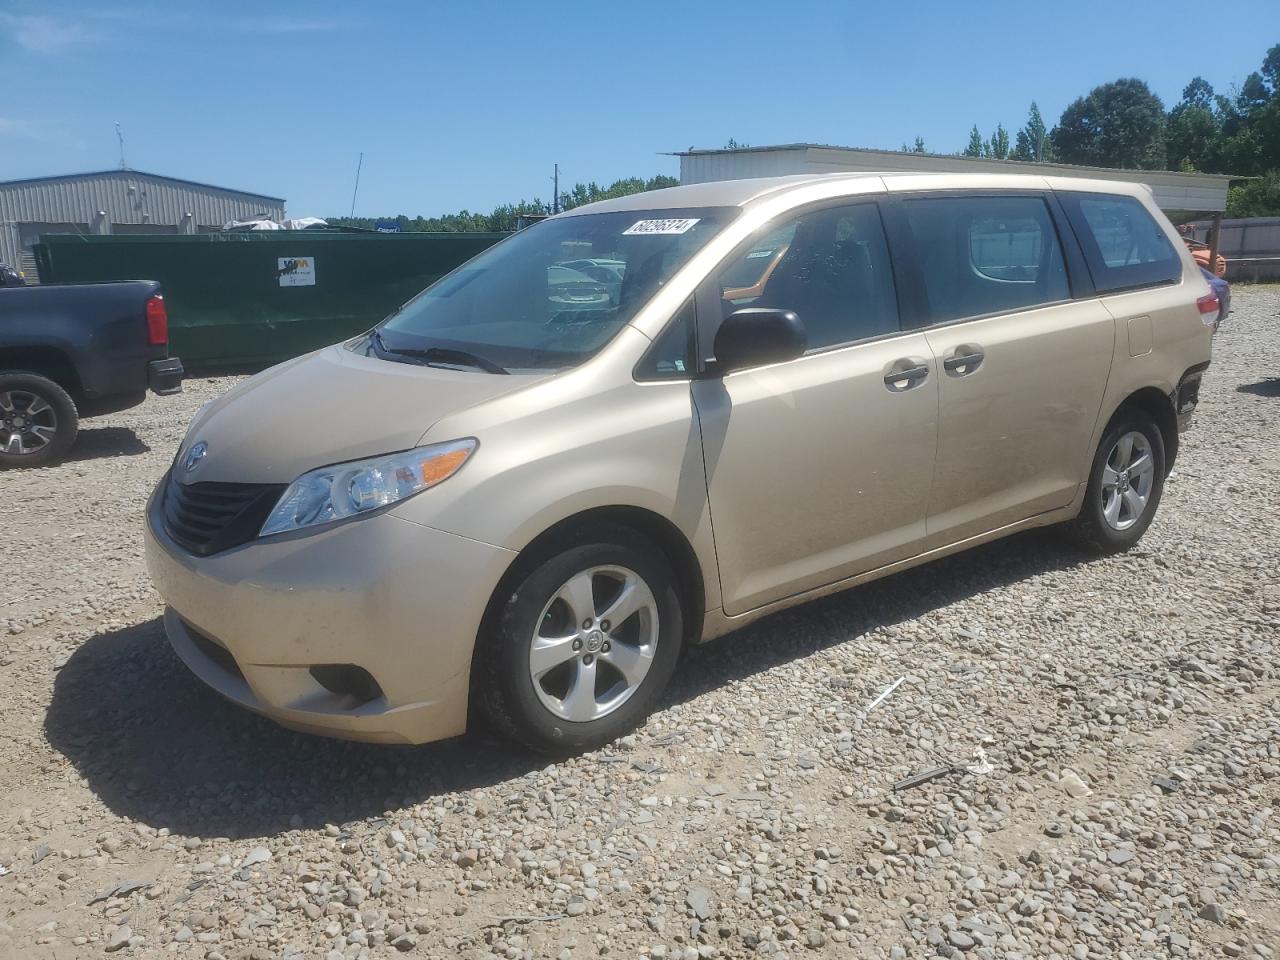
{"points": [[260, 297]]}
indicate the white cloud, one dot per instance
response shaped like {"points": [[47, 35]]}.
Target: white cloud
{"points": [[289, 25], [35, 131], [41, 34]]}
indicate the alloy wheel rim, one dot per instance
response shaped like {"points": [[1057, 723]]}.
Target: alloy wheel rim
{"points": [[1128, 476], [28, 423], [594, 643]]}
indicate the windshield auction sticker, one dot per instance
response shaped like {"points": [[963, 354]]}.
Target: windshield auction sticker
{"points": [[660, 227]]}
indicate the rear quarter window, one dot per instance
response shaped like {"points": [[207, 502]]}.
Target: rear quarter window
{"points": [[1124, 247]]}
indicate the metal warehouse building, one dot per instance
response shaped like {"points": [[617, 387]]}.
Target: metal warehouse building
{"points": [[116, 201]]}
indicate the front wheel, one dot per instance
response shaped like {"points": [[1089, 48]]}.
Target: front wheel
{"points": [[38, 420], [584, 646], [1125, 484]]}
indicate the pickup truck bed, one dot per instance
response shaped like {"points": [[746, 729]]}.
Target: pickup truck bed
{"points": [[73, 351]]}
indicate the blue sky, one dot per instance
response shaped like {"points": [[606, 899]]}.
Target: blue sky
{"points": [[469, 103]]}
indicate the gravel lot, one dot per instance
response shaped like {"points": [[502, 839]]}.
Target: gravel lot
{"points": [[1119, 720]]}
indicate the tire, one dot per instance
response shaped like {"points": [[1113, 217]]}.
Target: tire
{"points": [[1109, 521], [547, 613], [32, 439]]}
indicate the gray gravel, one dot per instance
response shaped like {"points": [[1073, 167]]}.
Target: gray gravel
{"points": [[1108, 730]]}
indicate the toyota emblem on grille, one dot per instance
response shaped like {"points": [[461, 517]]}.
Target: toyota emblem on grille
{"points": [[197, 453]]}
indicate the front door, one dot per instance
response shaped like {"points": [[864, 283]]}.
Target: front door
{"points": [[820, 468]]}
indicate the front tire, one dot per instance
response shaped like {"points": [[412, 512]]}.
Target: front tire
{"points": [[1125, 484], [583, 647], [38, 420]]}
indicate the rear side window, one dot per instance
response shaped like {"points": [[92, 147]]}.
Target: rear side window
{"points": [[986, 255], [1123, 245]]}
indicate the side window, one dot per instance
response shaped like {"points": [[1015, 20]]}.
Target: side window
{"points": [[985, 255], [671, 356], [1123, 244], [830, 266]]}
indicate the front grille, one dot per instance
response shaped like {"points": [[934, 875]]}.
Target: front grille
{"points": [[208, 517]]}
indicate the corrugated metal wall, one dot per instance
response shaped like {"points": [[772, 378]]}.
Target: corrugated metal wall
{"points": [[1172, 191], [95, 201], [1252, 237]]}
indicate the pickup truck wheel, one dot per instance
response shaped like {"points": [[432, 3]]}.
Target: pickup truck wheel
{"points": [[38, 420]]}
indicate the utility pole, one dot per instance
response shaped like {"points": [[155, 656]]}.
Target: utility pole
{"points": [[555, 190], [359, 164]]}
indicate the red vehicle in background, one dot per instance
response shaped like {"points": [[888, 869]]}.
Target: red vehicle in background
{"points": [[1200, 251]]}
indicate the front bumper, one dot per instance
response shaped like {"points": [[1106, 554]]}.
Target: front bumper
{"points": [[388, 596]]}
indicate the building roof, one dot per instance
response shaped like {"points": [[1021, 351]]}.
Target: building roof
{"points": [[137, 173], [1012, 164]]}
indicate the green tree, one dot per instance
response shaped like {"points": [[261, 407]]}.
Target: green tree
{"points": [[1119, 124], [1198, 93], [503, 218], [998, 145], [1193, 129], [1256, 198], [976, 146], [1032, 141]]}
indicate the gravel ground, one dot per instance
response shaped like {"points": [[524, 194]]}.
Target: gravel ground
{"points": [[1111, 727]]}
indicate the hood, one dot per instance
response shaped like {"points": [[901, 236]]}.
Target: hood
{"points": [[328, 407]]}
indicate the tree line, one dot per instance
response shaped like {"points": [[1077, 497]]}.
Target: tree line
{"points": [[1118, 124], [1124, 124], [503, 218]]}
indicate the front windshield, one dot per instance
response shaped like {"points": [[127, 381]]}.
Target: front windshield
{"points": [[552, 295]]}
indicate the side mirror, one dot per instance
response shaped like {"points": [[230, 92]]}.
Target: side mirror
{"points": [[755, 336]]}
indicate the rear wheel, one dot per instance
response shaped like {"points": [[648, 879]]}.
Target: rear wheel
{"points": [[1125, 484], [584, 646], [38, 420]]}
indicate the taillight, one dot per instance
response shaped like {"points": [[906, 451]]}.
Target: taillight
{"points": [[157, 321], [1209, 308]]}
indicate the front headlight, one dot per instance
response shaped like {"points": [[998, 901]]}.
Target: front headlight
{"points": [[349, 489]]}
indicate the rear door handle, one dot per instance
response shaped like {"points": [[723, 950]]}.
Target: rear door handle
{"points": [[964, 360], [906, 373]]}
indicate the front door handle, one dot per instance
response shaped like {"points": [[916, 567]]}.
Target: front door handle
{"points": [[905, 374], [964, 360]]}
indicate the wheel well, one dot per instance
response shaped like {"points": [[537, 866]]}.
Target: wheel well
{"points": [[1158, 406], [652, 526], [45, 361]]}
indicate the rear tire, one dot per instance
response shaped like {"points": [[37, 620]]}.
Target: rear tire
{"points": [[1126, 483], [553, 672], [38, 420]]}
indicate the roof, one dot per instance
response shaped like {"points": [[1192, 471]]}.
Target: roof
{"points": [[739, 193], [1013, 164], [137, 173], [713, 193]]}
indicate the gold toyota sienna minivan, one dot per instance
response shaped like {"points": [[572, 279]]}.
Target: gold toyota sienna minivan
{"points": [[532, 485]]}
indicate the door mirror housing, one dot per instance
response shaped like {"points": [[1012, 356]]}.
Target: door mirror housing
{"points": [[756, 336]]}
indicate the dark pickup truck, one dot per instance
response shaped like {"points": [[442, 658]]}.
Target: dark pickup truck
{"points": [[77, 350]]}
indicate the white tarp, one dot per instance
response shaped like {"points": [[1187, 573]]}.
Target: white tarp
{"points": [[303, 222], [252, 225]]}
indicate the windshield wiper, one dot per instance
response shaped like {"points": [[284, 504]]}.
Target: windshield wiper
{"points": [[446, 355]]}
